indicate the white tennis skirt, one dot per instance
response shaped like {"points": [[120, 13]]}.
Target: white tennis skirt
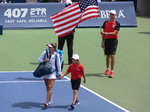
{"points": [[50, 76]]}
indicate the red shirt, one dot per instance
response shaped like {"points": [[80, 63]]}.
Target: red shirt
{"points": [[109, 26], [77, 70]]}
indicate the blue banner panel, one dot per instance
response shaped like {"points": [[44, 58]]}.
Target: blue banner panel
{"points": [[37, 15], [125, 14], [28, 15]]}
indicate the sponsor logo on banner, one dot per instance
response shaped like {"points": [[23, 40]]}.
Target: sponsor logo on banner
{"points": [[105, 14], [20, 15], [37, 15]]}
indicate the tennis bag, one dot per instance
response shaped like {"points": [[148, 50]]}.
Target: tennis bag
{"points": [[43, 69]]}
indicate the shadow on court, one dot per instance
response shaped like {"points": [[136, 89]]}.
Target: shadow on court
{"points": [[144, 33], [28, 79], [30, 105], [96, 75], [35, 63], [27, 105]]}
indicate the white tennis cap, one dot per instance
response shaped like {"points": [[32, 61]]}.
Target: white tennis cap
{"points": [[112, 11], [75, 56], [51, 45]]}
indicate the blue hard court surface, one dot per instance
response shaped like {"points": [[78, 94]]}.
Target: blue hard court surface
{"points": [[21, 92]]}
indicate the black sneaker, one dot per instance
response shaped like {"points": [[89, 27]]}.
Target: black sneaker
{"points": [[72, 106], [77, 103]]}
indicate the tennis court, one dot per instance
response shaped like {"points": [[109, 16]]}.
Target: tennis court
{"points": [[129, 88], [23, 92]]}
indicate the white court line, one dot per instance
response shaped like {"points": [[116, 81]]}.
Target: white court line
{"points": [[62, 81], [102, 97], [27, 81], [17, 81], [24, 81], [13, 71]]}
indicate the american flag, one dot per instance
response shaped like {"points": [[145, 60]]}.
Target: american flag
{"points": [[67, 19]]}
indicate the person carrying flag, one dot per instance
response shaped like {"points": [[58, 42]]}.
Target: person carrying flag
{"points": [[67, 19], [69, 38]]}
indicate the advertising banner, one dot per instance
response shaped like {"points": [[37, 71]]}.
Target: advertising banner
{"points": [[28, 15], [37, 15], [125, 14]]}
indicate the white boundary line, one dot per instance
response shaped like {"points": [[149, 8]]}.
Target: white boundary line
{"points": [[13, 71], [2, 82], [24, 81], [102, 97], [64, 80]]}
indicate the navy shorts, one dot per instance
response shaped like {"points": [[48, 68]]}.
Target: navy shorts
{"points": [[75, 84], [111, 46]]}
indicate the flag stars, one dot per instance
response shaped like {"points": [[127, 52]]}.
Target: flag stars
{"points": [[80, 11], [85, 3]]}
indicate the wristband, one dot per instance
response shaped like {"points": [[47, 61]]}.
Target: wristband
{"points": [[106, 33]]}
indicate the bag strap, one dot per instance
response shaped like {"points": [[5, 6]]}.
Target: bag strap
{"points": [[47, 55], [56, 60], [50, 57]]}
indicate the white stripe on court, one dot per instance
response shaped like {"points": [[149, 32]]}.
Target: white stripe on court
{"points": [[28, 81], [102, 97], [18, 81], [14, 71]]}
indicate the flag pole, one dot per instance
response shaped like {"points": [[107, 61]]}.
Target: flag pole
{"points": [[102, 41]]}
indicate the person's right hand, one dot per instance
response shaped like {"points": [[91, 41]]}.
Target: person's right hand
{"points": [[46, 60], [102, 45]]}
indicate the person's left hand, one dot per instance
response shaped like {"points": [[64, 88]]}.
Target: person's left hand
{"points": [[102, 32], [60, 77]]}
